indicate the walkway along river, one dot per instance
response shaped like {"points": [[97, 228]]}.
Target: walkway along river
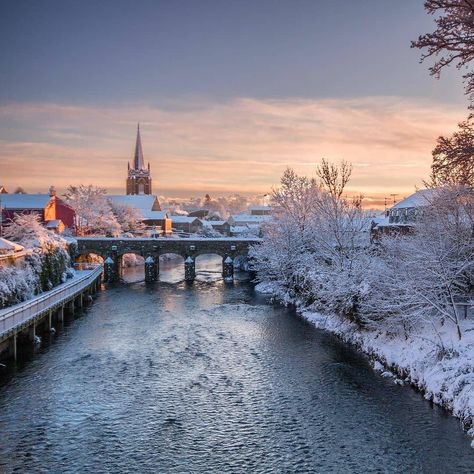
{"points": [[210, 377]]}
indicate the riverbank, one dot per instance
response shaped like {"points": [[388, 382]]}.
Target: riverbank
{"points": [[446, 378]]}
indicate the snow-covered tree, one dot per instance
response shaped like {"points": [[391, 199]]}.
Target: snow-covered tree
{"points": [[129, 218], [93, 211], [17, 283], [315, 249], [27, 230]]}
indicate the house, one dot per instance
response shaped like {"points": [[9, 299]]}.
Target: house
{"points": [[148, 207], [186, 224], [407, 210], [247, 230], [401, 217], [48, 207], [223, 227], [260, 210], [159, 220], [199, 213]]}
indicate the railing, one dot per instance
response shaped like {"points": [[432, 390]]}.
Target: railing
{"points": [[23, 312]]}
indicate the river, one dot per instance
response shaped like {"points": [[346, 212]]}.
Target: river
{"points": [[212, 378]]}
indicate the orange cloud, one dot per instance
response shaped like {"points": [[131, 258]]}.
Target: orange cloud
{"points": [[243, 145]]}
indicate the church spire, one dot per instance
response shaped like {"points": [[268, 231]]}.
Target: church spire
{"points": [[139, 176], [138, 162]]}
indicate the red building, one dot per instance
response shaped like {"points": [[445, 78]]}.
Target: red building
{"points": [[51, 209]]}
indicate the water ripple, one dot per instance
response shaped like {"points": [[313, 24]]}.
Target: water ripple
{"points": [[208, 378]]}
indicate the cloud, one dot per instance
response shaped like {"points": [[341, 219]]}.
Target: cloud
{"points": [[243, 145]]}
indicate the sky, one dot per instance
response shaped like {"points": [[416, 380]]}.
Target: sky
{"points": [[227, 93]]}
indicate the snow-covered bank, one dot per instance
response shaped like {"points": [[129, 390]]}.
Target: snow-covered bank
{"points": [[445, 378]]}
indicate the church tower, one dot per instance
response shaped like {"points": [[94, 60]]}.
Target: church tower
{"points": [[139, 178]]}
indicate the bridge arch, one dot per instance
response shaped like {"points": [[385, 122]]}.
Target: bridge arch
{"points": [[85, 254], [81, 261], [202, 252], [165, 252]]}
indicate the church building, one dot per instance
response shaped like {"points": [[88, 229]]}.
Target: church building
{"points": [[139, 177]]}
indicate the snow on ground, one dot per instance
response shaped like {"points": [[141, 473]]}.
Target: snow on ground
{"points": [[447, 379]]}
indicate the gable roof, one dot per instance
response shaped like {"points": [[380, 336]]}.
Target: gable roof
{"points": [[184, 219], [216, 223], [139, 201], [54, 223], [24, 201], [149, 215], [421, 198]]}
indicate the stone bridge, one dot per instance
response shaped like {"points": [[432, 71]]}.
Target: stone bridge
{"points": [[112, 250]]}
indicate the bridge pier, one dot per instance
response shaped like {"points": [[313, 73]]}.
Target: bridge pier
{"points": [[152, 268], [111, 269], [189, 268], [228, 269], [13, 348]]}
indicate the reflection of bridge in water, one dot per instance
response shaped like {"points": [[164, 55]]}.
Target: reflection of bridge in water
{"points": [[113, 249]]}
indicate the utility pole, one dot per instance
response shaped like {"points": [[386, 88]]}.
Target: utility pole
{"points": [[394, 196]]}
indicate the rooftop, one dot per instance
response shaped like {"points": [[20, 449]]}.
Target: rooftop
{"points": [[140, 201], [24, 201], [421, 198]]}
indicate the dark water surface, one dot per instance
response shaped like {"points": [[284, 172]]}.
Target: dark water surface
{"points": [[211, 378]]}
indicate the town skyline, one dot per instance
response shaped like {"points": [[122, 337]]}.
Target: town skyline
{"points": [[399, 170], [220, 114]]}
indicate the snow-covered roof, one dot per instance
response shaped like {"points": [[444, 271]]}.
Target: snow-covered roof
{"points": [[213, 223], [139, 201], [148, 215], [184, 219], [7, 245], [421, 198], [380, 219], [239, 228], [24, 201], [53, 224], [241, 218]]}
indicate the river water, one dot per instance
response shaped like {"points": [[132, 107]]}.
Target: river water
{"points": [[212, 378]]}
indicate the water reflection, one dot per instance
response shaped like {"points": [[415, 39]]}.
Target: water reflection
{"points": [[208, 269]]}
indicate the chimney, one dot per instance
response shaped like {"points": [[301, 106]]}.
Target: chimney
{"points": [[52, 191]]}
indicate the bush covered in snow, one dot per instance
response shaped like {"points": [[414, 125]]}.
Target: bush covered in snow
{"points": [[46, 266]]}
